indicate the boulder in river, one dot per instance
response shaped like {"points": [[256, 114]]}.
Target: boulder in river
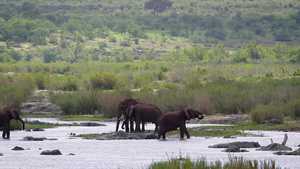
{"points": [[233, 148], [17, 148], [295, 153], [274, 147], [243, 144], [91, 124], [121, 135], [52, 152], [30, 138]]}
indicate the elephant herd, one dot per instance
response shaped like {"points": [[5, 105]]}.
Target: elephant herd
{"points": [[135, 110]]}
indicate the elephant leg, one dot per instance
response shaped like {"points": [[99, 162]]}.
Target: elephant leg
{"points": [[186, 132], [164, 136], [126, 127], [131, 125], [137, 127], [8, 134], [156, 129], [182, 131], [3, 134], [143, 126]]}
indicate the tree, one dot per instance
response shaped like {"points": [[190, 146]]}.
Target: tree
{"points": [[158, 6]]}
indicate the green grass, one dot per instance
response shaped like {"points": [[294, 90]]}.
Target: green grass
{"points": [[253, 126], [83, 118], [232, 163]]}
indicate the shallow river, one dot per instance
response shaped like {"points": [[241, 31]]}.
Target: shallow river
{"points": [[128, 153]]}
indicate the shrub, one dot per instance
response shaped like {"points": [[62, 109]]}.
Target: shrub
{"points": [[41, 80], [15, 90], [293, 108], [107, 81], [79, 102], [274, 110]]}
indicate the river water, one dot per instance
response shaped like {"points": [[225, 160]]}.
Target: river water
{"points": [[131, 154]]}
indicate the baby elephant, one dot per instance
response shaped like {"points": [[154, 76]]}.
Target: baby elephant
{"points": [[169, 121]]}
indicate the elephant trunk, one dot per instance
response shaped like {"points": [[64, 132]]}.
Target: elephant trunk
{"points": [[117, 127], [23, 124], [124, 123]]}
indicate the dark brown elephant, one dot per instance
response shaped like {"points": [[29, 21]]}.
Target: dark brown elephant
{"points": [[5, 116], [123, 105], [169, 121], [142, 113]]}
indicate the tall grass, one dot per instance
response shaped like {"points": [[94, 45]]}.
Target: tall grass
{"points": [[233, 163]]}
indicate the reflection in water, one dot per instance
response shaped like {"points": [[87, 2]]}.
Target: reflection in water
{"points": [[126, 153]]}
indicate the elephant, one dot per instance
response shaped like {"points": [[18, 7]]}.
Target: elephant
{"points": [[143, 113], [6, 115], [123, 105], [169, 121]]}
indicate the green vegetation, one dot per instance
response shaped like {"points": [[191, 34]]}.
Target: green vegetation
{"points": [[233, 163], [215, 56], [82, 118]]}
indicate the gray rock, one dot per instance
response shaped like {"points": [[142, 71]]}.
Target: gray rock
{"points": [[238, 144], [229, 136], [53, 152], [274, 147], [233, 148], [121, 135], [38, 129], [272, 122], [17, 148], [275, 121], [30, 138], [1, 154], [295, 153], [34, 108], [91, 124]]}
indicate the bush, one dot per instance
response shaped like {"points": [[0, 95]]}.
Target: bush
{"points": [[15, 90], [274, 110], [106, 81], [80, 102]]}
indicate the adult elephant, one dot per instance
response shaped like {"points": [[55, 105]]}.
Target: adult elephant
{"points": [[169, 121], [123, 105], [143, 113], [5, 116]]}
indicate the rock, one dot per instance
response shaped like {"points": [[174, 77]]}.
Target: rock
{"points": [[53, 152], [91, 124], [1, 154], [296, 153], [17, 148], [229, 136], [272, 122], [274, 147], [238, 144], [71, 154], [30, 138], [35, 108], [121, 135], [28, 130], [233, 148], [38, 129], [275, 121]]}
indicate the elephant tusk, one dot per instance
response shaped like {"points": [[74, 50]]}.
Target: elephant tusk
{"points": [[122, 117], [201, 117]]}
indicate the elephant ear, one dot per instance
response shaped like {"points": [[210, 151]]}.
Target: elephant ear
{"points": [[13, 113], [186, 113]]}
